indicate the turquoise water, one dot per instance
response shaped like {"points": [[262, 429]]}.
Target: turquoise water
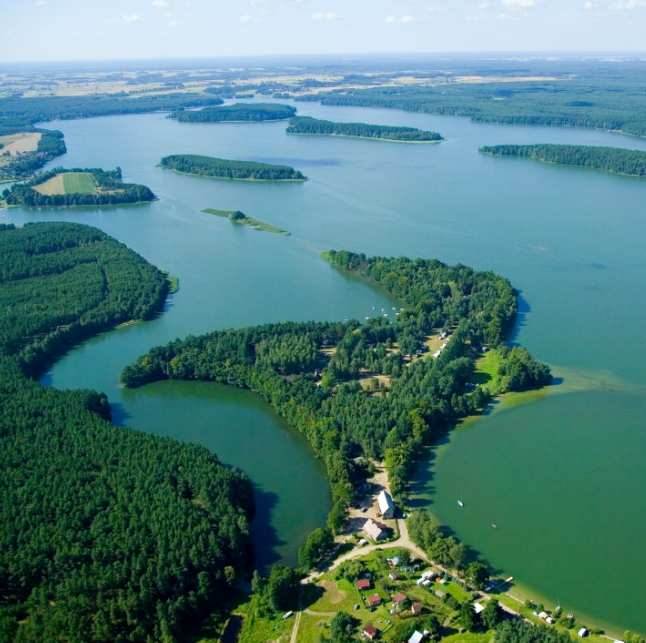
{"points": [[570, 240]]}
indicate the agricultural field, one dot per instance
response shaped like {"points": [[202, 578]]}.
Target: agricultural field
{"points": [[68, 183], [19, 143]]}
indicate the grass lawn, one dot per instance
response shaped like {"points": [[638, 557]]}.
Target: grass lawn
{"points": [[487, 372], [469, 637], [79, 183], [256, 629], [339, 596], [311, 628]]}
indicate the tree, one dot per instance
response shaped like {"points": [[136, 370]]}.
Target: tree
{"points": [[316, 546], [467, 616], [336, 517], [282, 588], [478, 574], [342, 628], [492, 614]]}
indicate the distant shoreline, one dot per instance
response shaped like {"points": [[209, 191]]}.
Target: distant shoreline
{"points": [[226, 178], [366, 138]]}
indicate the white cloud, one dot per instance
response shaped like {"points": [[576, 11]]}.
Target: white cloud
{"points": [[160, 4], [245, 18], [402, 20], [324, 15], [588, 6], [628, 5], [131, 18], [40, 3], [519, 4]]}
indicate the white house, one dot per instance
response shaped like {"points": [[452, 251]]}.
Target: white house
{"points": [[374, 530], [417, 637], [386, 505]]}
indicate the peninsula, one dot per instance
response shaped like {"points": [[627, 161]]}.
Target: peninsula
{"points": [[236, 113], [240, 218], [614, 160], [317, 127], [69, 187], [216, 168]]}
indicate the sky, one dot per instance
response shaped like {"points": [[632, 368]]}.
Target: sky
{"points": [[59, 30]]}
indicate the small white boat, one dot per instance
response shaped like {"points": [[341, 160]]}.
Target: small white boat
{"points": [[460, 503], [494, 525]]}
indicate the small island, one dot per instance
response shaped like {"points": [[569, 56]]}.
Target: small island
{"points": [[236, 113], [317, 127], [240, 218], [216, 168], [613, 160], [69, 187]]}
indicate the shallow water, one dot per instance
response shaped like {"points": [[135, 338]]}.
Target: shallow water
{"points": [[571, 240]]}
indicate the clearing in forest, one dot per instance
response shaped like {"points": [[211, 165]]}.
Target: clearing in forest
{"points": [[68, 183]]}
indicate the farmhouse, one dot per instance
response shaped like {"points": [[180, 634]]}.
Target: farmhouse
{"points": [[373, 600], [363, 584], [386, 505], [370, 632], [399, 599], [375, 530]]}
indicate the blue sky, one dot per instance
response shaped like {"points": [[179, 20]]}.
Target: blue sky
{"points": [[98, 29]]}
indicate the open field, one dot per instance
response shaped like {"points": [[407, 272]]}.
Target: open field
{"points": [[68, 183], [19, 143]]}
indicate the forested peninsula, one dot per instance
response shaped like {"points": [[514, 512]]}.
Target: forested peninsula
{"points": [[239, 112], [614, 160], [232, 170], [313, 373], [17, 166], [107, 534], [315, 126], [79, 186]]}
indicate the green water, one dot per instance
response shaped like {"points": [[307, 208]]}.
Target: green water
{"points": [[563, 477]]}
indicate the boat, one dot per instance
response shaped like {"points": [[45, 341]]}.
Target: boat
{"points": [[460, 503], [494, 525]]}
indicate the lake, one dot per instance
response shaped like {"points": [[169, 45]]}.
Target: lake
{"points": [[562, 478]]}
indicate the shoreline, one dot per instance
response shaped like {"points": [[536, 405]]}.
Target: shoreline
{"points": [[226, 178], [366, 138]]}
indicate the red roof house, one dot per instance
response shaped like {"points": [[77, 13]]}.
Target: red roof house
{"points": [[374, 600], [363, 583], [370, 632]]}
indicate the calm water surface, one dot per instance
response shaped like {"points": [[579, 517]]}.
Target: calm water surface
{"points": [[562, 478]]}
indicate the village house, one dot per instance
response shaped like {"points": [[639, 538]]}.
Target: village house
{"points": [[375, 530], [416, 608], [363, 584], [386, 505], [417, 637], [370, 632], [399, 599], [374, 600]]}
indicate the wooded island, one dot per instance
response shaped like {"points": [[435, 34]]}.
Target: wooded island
{"points": [[614, 160], [238, 112], [232, 170], [315, 126]]}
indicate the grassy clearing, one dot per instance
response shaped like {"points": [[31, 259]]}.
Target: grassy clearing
{"points": [[487, 372], [312, 627], [68, 183], [469, 637], [79, 183], [239, 218], [257, 629]]}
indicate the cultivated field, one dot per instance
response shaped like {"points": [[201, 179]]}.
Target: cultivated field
{"points": [[19, 143], [68, 183]]}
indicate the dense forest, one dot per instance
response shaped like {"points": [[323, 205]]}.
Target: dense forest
{"points": [[607, 102], [254, 112], [110, 190], [312, 373], [227, 169], [107, 534], [19, 112], [20, 166], [315, 126], [615, 160]]}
